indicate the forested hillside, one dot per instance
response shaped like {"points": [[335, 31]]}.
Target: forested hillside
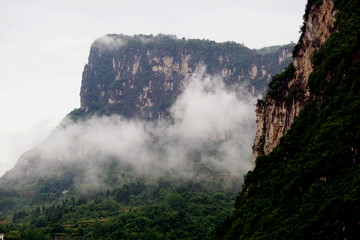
{"points": [[308, 187], [166, 209]]}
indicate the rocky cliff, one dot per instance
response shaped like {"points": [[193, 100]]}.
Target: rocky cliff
{"points": [[289, 92], [140, 76]]}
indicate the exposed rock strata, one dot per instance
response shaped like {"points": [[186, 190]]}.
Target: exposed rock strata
{"points": [[276, 115], [142, 76]]}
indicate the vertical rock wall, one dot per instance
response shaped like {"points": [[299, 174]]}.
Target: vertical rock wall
{"points": [[276, 115], [141, 76]]}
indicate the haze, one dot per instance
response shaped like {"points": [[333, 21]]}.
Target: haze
{"points": [[210, 125], [45, 44]]}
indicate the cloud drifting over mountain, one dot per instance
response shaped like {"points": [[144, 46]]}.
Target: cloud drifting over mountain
{"points": [[209, 125]]}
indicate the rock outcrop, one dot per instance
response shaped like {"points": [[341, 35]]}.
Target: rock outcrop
{"points": [[141, 76], [276, 113]]}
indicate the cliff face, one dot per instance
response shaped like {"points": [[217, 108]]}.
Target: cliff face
{"points": [[141, 76], [287, 97]]}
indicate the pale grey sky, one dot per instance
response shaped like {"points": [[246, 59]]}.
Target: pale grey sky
{"points": [[44, 46]]}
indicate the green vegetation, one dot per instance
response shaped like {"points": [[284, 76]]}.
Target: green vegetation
{"points": [[165, 209], [309, 186], [278, 84]]}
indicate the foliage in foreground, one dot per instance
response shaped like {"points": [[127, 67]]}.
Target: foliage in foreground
{"points": [[164, 210]]}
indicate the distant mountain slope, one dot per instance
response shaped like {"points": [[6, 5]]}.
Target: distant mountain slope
{"points": [[156, 151], [306, 183]]}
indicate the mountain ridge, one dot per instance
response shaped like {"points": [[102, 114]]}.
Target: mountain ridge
{"points": [[143, 74]]}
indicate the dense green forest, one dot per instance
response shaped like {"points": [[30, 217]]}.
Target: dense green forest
{"points": [[128, 205], [164, 209], [309, 186]]}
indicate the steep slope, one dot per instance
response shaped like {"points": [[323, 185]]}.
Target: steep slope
{"points": [[307, 187], [141, 76], [289, 92]]}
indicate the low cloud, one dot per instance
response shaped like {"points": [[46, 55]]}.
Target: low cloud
{"points": [[113, 43], [211, 135], [109, 43]]}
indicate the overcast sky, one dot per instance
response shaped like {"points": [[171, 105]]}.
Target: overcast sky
{"points": [[44, 46]]}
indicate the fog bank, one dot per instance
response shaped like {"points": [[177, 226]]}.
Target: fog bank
{"points": [[209, 133]]}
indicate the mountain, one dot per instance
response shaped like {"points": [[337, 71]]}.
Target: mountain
{"points": [[306, 181], [141, 76], [157, 150]]}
